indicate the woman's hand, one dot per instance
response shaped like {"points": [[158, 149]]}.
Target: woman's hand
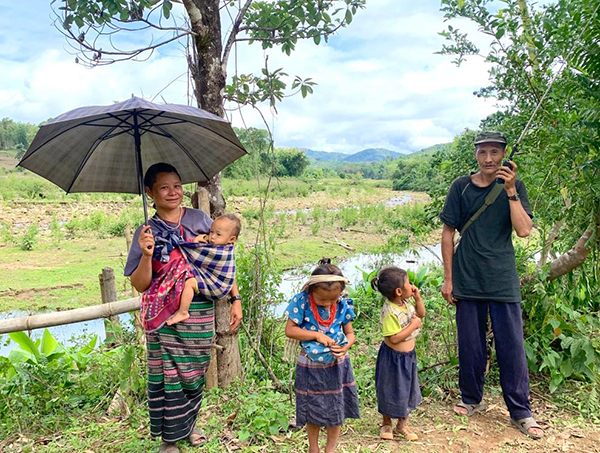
{"points": [[146, 241], [324, 339], [339, 351], [235, 315]]}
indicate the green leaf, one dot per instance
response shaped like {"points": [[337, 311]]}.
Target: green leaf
{"points": [[317, 39], [23, 340], [166, 9], [49, 343], [243, 435], [500, 33], [348, 17], [19, 355]]}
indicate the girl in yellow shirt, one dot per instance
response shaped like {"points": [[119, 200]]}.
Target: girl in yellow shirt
{"points": [[396, 379]]}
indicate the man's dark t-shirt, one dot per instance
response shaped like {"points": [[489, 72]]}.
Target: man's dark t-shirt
{"points": [[484, 266]]}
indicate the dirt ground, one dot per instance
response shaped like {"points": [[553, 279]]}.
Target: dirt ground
{"points": [[440, 430]]}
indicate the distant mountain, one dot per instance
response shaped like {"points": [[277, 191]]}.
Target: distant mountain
{"points": [[366, 155], [430, 151], [323, 156], [373, 155]]}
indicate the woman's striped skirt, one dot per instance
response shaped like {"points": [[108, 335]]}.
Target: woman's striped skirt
{"points": [[178, 357], [325, 392]]}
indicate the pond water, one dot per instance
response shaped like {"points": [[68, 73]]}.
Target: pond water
{"points": [[70, 334]]}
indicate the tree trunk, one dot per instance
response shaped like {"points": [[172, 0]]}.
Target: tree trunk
{"points": [[229, 365], [208, 75]]}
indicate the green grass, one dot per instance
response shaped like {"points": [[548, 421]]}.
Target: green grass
{"points": [[60, 276], [299, 187]]}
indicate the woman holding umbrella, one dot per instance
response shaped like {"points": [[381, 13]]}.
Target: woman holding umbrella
{"points": [[178, 355]]}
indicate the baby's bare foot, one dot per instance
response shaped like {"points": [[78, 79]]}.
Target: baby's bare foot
{"points": [[178, 317]]}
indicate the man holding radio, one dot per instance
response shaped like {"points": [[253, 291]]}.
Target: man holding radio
{"points": [[480, 277]]}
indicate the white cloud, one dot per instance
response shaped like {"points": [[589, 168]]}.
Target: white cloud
{"points": [[379, 82]]}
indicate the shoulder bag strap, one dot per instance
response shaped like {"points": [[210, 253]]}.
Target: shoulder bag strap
{"points": [[489, 200]]}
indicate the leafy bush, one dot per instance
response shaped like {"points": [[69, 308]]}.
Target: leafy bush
{"points": [[29, 238], [44, 385]]}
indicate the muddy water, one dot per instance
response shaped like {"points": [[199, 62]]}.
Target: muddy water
{"points": [[292, 280], [353, 267]]}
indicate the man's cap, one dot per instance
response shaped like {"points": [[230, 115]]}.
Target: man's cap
{"points": [[490, 137]]}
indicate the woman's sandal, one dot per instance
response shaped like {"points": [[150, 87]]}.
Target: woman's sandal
{"points": [[166, 447], [406, 432], [197, 438], [525, 424], [385, 432], [470, 408]]}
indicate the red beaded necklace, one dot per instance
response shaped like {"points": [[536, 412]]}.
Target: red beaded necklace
{"points": [[332, 309]]}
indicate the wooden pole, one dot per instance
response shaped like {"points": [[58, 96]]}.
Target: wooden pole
{"points": [[69, 316], [108, 287]]}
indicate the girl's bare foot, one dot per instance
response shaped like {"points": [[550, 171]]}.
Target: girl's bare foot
{"points": [[178, 317]]}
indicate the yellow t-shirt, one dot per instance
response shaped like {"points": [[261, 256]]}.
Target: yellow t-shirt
{"points": [[394, 318]]}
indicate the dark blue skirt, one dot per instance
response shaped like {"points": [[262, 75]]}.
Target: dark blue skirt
{"points": [[396, 382], [325, 392]]}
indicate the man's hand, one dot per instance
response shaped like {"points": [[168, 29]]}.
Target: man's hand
{"points": [[509, 176], [235, 315], [447, 292]]}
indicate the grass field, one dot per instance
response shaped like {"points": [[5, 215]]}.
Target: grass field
{"points": [[72, 237]]}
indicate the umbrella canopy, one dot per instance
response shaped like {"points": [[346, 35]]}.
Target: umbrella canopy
{"points": [[109, 148]]}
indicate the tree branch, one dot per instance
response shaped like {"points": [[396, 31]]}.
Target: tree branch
{"points": [[256, 348], [549, 241], [234, 32], [576, 256], [195, 16]]}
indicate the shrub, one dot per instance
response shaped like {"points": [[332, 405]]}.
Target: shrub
{"points": [[30, 238]]}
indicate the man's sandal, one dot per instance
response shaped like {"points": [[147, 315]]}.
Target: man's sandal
{"points": [[525, 424], [470, 408], [385, 432], [406, 432], [197, 438], [166, 447]]}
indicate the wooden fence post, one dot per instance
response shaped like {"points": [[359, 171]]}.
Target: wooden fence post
{"points": [[108, 288]]}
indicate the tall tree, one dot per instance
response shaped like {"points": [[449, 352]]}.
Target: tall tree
{"points": [[535, 50], [93, 26]]}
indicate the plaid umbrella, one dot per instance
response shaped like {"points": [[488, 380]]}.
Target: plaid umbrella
{"points": [[109, 148]]}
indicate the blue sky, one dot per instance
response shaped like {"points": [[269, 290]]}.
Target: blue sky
{"points": [[379, 82]]}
